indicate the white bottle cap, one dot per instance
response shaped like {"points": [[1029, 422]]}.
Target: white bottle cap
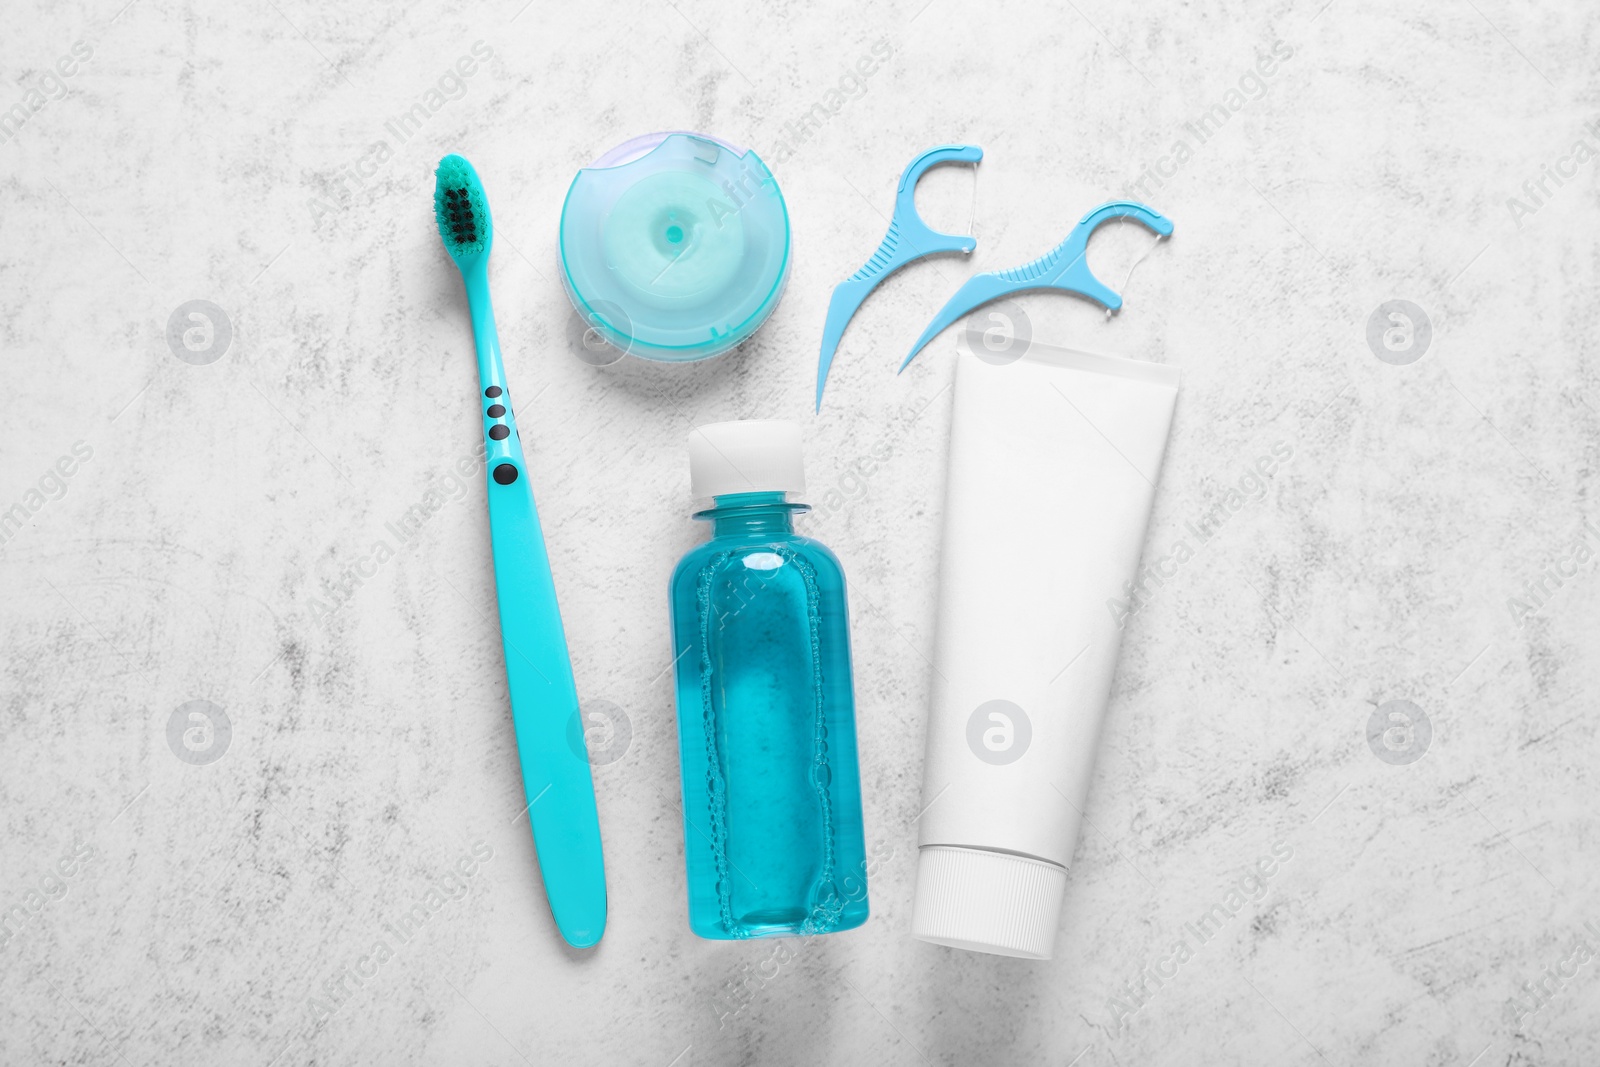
{"points": [[754, 456], [986, 901]]}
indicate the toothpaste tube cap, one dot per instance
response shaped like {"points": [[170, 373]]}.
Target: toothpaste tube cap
{"points": [[752, 456], [986, 901]]}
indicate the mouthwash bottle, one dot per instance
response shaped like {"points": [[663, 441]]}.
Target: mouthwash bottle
{"points": [[766, 710]]}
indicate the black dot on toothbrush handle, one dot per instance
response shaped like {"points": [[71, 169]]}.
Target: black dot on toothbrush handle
{"points": [[505, 474], [496, 410], [492, 392], [499, 431]]}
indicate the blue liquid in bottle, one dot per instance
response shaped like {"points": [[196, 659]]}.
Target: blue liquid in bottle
{"points": [[766, 728]]}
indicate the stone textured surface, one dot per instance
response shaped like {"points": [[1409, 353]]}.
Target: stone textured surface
{"points": [[242, 155]]}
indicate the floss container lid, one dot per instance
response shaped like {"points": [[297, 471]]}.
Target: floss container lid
{"points": [[675, 246]]}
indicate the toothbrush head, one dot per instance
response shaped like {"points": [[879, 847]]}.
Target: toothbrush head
{"points": [[462, 211]]}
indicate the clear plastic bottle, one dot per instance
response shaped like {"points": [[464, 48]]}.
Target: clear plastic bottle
{"points": [[766, 711]]}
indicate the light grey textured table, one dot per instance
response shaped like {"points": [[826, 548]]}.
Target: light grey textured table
{"points": [[194, 520]]}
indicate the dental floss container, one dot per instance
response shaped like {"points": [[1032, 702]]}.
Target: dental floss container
{"points": [[675, 246]]}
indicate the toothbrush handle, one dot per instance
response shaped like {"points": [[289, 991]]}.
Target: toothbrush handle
{"points": [[544, 710], [544, 698]]}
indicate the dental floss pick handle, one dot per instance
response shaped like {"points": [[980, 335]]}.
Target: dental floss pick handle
{"points": [[544, 699], [1063, 268], [908, 240]]}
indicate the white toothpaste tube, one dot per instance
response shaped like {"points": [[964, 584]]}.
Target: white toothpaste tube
{"points": [[1054, 458]]}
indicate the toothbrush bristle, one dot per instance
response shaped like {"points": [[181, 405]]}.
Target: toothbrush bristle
{"points": [[460, 208]]}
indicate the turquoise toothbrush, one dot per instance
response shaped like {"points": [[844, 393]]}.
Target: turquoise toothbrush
{"points": [[544, 698]]}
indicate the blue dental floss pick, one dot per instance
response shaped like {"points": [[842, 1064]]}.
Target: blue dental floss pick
{"points": [[1063, 269], [675, 246], [908, 240]]}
